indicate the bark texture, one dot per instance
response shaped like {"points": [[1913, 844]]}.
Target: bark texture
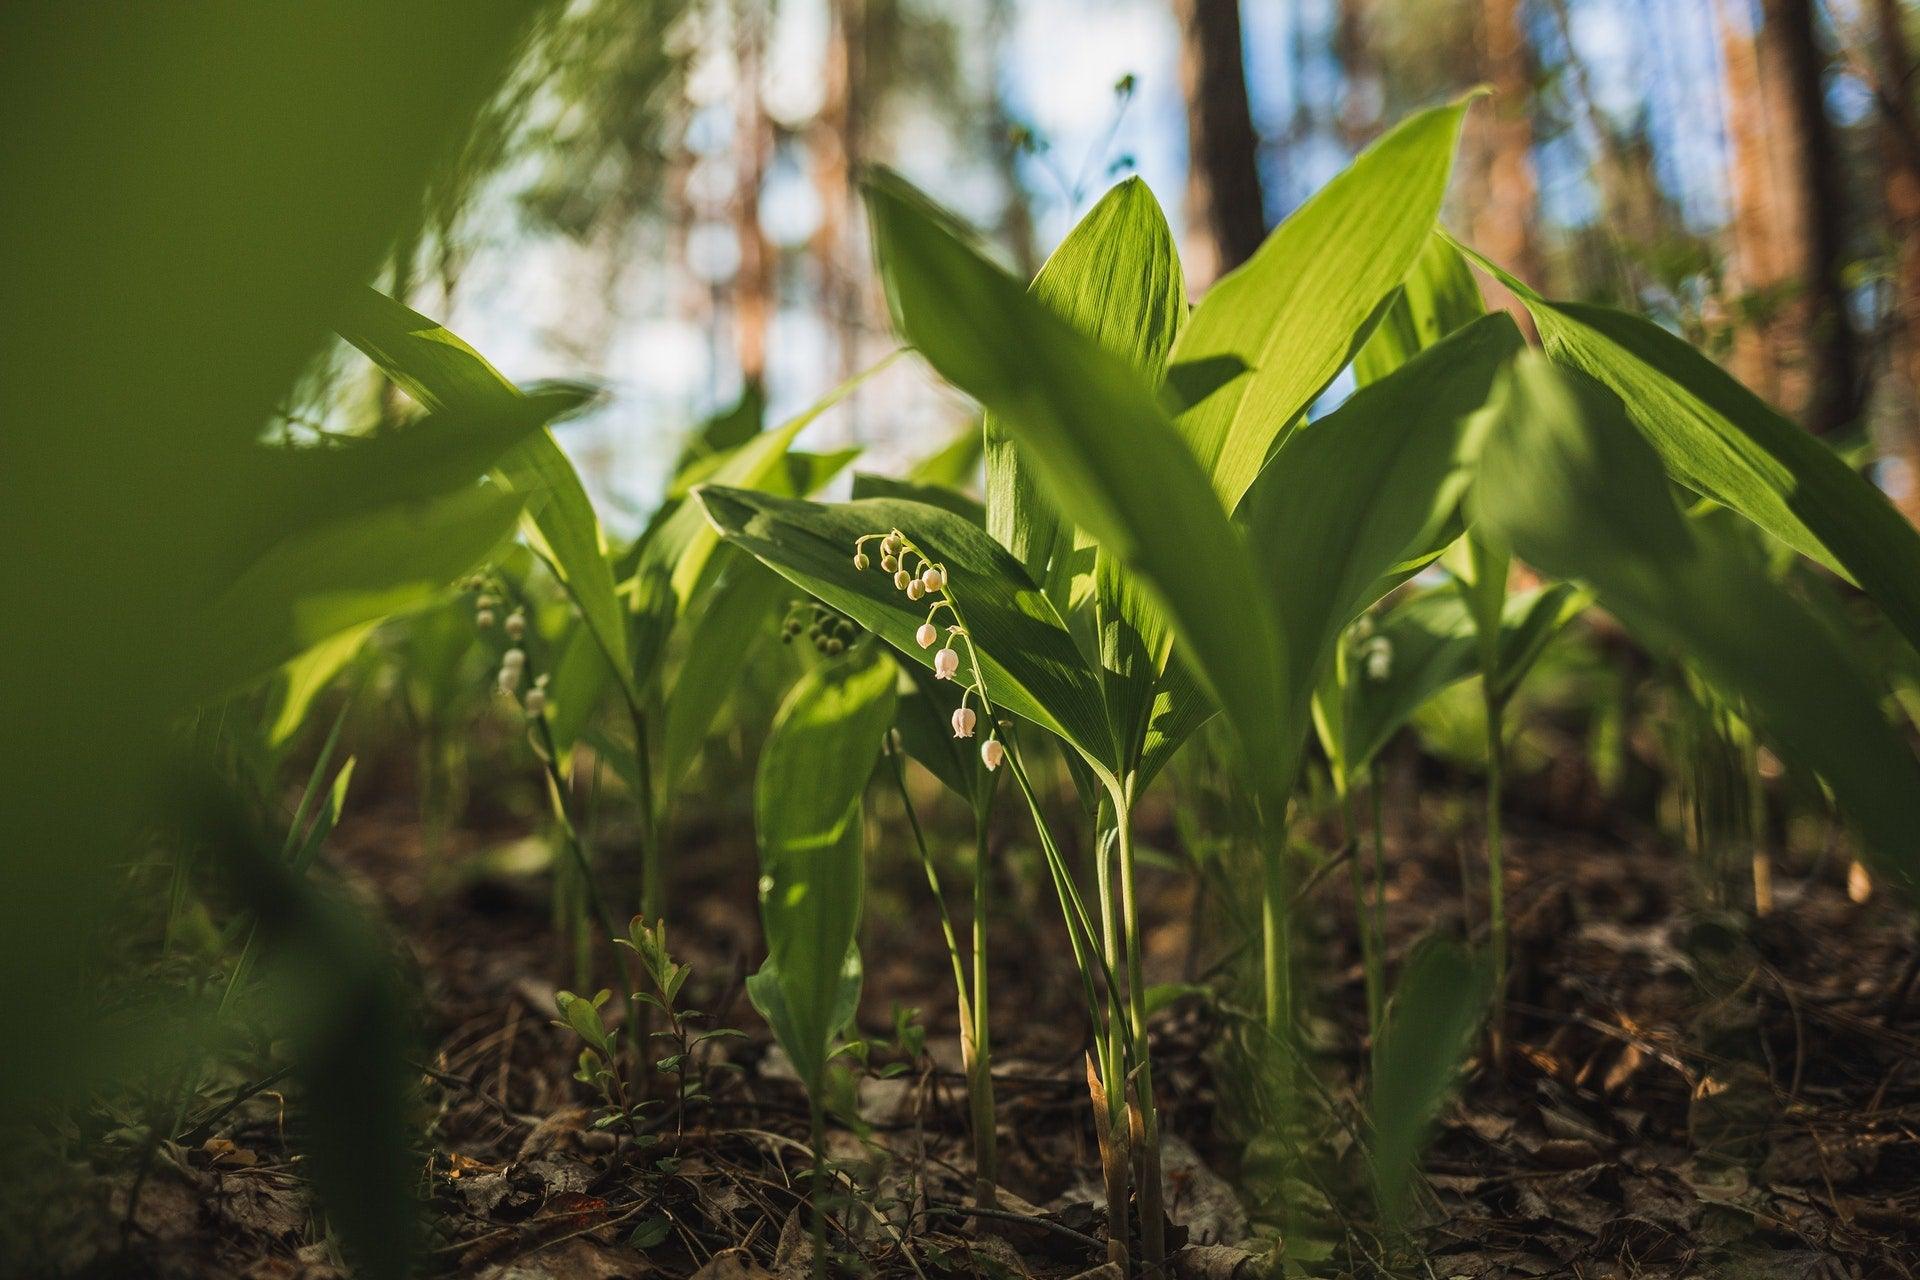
{"points": [[1225, 214]]}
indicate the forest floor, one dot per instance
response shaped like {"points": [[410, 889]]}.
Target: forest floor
{"points": [[1675, 1093]]}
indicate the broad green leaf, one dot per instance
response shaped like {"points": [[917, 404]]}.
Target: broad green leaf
{"points": [[1722, 441], [1103, 449], [807, 812], [867, 485], [1117, 279], [737, 620], [1030, 665], [953, 464], [579, 679], [1268, 338], [342, 575], [442, 372], [306, 676], [1431, 1017], [1566, 480], [1432, 643], [1438, 296], [664, 569], [1347, 497], [767, 990]]}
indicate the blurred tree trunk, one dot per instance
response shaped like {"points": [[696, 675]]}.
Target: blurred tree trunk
{"points": [[1900, 191], [835, 144], [1225, 215], [756, 280], [1789, 220], [1505, 211], [1365, 97]]}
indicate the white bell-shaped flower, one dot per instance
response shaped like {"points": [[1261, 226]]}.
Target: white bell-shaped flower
{"points": [[536, 701], [945, 663], [963, 721], [930, 580], [516, 624], [926, 635], [992, 753]]}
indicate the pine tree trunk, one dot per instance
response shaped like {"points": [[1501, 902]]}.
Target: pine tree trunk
{"points": [[1790, 223], [835, 149], [1225, 215], [1899, 129], [1506, 210], [756, 280]]}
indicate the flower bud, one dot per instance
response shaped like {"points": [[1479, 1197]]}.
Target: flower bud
{"points": [[516, 624], [992, 753], [536, 702], [915, 590], [902, 578], [483, 619], [926, 635], [945, 663], [509, 679], [515, 658], [486, 602], [836, 647], [1379, 664], [860, 561], [930, 580], [963, 720], [888, 564]]}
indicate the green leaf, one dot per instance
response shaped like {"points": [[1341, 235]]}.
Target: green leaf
{"points": [[1722, 441], [1117, 279], [968, 508], [954, 463], [811, 545], [1433, 643], [1029, 662], [579, 678], [1435, 1009], [1438, 296], [807, 812], [340, 576], [444, 373], [736, 621], [666, 566], [1103, 449], [306, 676], [1268, 338], [1349, 497], [1578, 493]]}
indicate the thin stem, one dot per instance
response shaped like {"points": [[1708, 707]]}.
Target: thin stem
{"points": [[980, 1074], [1496, 880], [1152, 1215], [933, 885], [818, 1132], [1379, 871], [1362, 915], [653, 889]]}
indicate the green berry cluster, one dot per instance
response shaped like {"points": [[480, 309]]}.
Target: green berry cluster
{"points": [[830, 631]]}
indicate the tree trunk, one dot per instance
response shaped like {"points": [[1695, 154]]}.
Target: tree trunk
{"points": [[756, 281], [1364, 100], [1790, 224], [1506, 214], [1900, 191], [1225, 216], [835, 147]]}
